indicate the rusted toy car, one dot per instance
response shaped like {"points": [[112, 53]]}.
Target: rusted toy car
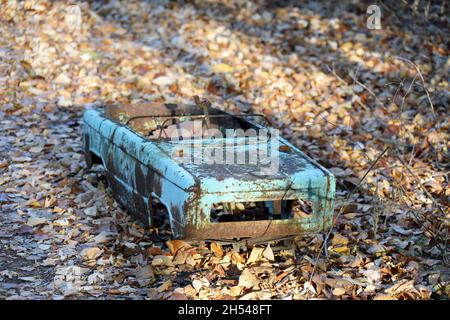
{"points": [[204, 199]]}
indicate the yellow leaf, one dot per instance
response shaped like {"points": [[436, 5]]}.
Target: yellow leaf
{"points": [[339, 240], [217, 249], [165, 286], [342, 249], [222, 68], [34, 203], [237, 258]]}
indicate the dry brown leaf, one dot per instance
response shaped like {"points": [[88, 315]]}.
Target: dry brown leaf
{"points": [[384, 296], [247, 279], [175, 245], [50, 201], [162, 260], [167, 285], [91, 253], [255, 255], [33, 203], [154, 251], [339, 239], [339, 291], [257, 295], [32, 222], [178, 296], [217, 249], [182, 255], [237, 258], [400, 287], [235, 291], [4, 164], [145, 275]]}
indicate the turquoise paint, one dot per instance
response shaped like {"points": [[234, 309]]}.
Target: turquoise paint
{"points": [[189, 190]]}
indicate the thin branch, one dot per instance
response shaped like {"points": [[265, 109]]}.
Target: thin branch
{"points": [[343, 207], [421, 78], [353, 76], [408, 168]]}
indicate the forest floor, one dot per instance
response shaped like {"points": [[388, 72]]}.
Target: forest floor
{"points": [[339, 91]]}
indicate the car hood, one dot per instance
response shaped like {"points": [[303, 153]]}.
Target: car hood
{"points": [[289, 168]]}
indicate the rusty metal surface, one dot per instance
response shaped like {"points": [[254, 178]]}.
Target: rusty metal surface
{"points": [[236, 230], [142, 171]]}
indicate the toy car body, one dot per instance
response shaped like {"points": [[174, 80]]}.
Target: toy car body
{"points": [[206, 200]]}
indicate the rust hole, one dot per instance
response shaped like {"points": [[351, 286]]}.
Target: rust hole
{"points": [[159, 214], [260, 210], [302, 208]]}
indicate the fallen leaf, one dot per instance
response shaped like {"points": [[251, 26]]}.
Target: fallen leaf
{"points": [[400, 230], [162, 260], [3, 197], [32, 222], [163, 81], [339, 240], [178, 296], [50, 201], [217, 249], [154, 251], [181, 256], [376, 249], [175, 245], [145, 275], [222, 68], [341, 249], [104, 237], [257, 295], [339, 291], [384, 296], [247, 279], [91, 211], [400, 286], [91, 253], [167, 285], [255, 255], [268, 253], [4, 164], [237, 258], [197, 284], [33, 203]]}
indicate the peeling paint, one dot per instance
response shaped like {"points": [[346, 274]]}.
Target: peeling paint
{"points": [[140, 169]]}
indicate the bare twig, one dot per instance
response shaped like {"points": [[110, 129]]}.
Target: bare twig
{"points": [[336, 75], [421, 78], [343, 207], [408, 168], [353, 76], [407, 92]]}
